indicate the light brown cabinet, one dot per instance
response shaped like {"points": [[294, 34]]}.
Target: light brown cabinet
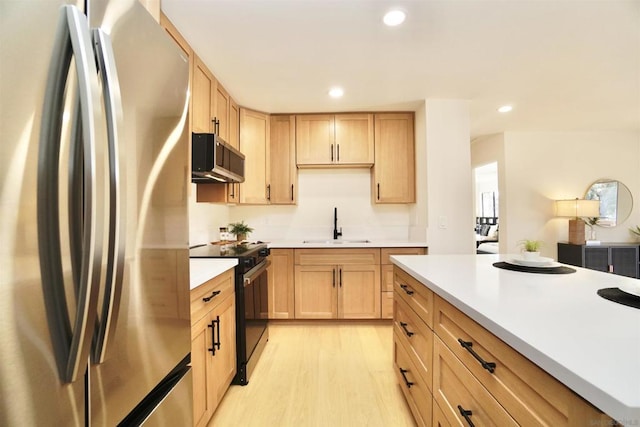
{"points": [[334, 140], [283, 175], [254, 143], [386, 275], [337, 283], [281, 284], [202, 97], [469, 372], [213, 345], [393, 176], [221, 110]]}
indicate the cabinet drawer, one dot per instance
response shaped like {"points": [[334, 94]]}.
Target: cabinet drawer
{"points": [[415, 294], [417, 338], [387, 252], [208, 295], [528, 393], [455, 389], [336, 256], [414, 389]]}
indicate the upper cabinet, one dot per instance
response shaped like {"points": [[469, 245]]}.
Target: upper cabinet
{"points": [[283, 175], [221, 110], [393, 177], [334, 140], [202, 97], [254, 144]]}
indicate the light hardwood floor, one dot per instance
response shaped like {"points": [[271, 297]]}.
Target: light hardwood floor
{"points": [[320, 374]]}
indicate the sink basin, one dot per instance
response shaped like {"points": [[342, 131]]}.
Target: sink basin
{"points": [[336, 242]]}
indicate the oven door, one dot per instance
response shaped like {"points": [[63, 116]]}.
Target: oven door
{"points": [[253, 312]]}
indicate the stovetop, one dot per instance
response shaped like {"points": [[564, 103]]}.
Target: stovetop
{"points": [[231, 250]]}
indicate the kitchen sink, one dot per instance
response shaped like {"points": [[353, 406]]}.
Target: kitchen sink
{"points": [[336, 242]]}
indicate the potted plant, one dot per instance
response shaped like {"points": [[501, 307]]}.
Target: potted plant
{"points": [[635, 231], [240, 229], [531, 249]]}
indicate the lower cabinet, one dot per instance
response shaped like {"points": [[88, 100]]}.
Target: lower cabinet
{"points": [[386, 275], [617, 258], [477, 379], [337, 283], [281, 301], [213, 344]]}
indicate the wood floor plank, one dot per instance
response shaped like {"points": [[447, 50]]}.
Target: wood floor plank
{"points": [[320, 374]]}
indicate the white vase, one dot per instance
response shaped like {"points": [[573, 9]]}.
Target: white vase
{"points": [[530, 256]]}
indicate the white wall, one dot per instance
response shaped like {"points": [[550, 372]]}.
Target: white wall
{"points": [[418, 227], [205, 219], [449, 183], [540, 167], [319, 191]]}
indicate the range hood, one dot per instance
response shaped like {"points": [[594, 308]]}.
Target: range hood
{"points": [[214, 161]]}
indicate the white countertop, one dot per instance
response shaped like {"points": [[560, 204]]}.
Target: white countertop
{"points": [[345, 243], [590, 344], [204, 269]]}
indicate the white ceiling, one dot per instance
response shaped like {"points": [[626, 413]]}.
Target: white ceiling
{"points": [[565, 65]]}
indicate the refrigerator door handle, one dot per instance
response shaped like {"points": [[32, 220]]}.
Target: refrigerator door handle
{"points": [[71, 345], [106, 323]]}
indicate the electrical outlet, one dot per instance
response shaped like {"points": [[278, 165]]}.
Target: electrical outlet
{"points": [[442, 222]]}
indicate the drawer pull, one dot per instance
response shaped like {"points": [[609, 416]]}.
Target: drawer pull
{"points": [[209, 298], [489, 366], [406, 290], [406, 331], [406, 381], [466, 414], [214, 324]]}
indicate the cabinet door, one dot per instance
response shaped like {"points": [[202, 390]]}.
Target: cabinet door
{"points": [[393, 178], [281, 291], [254, 139], [202, 105], [201, 365], [354, 139], [233, 190], [282, 161], [316, 292], [596, 258], [359, 292], [221, 110], [315, 139], [625, 261], [224, 360]]}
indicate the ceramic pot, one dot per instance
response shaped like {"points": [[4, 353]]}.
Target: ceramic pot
{"points": [[530, 256]]}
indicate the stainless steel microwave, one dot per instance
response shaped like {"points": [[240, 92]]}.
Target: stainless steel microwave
{"points": [[215, 161]]}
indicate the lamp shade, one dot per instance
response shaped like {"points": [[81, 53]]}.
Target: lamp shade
{"points": [[577, 208]]}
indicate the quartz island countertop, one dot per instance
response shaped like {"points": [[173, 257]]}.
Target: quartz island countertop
{"points": [[204, 269], [557, 321]]}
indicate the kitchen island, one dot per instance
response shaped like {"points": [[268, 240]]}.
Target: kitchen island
{"points": [[557, 321]]}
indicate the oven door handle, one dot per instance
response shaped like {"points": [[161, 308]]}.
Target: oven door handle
{"points": [[256, 272]]}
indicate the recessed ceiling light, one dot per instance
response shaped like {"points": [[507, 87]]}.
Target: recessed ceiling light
{"points": [[394, 17], [336, 92], [505, 108]]}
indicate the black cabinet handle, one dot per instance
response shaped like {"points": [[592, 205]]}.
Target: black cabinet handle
{"points": [[268, 191], [216, 126], [213, 295], [466, 414], [406, 290], [406, 381], [489, 366], [332, 152], [338, 150], [292, 192], [406, 331], [378, 191], [334, 277], [340, 271], [215, 324], [233, 191]]}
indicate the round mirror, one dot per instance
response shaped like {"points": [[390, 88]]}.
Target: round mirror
{"points": [[616, 201]]}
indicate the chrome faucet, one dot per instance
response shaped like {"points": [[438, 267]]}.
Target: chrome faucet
{"points": [[336, 233]]}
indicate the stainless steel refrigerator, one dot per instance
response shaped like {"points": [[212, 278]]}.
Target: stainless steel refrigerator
{"points": [[94, 280]]}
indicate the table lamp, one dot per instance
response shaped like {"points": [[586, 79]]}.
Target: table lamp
{"points": [[577, 209]]}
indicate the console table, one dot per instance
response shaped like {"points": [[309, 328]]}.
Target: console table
{"points": [[616, 258]]}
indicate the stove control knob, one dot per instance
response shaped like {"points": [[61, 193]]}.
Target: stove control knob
{"points": [[248, 263], [264, 252]]}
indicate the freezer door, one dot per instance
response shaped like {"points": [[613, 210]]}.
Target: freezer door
{"points": [[150, 311]]}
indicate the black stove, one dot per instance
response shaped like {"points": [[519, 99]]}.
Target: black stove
{"points": [[249, 254], [252, 299]]}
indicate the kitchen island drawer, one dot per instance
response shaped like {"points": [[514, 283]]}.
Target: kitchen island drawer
{"points": [[416, 336], [338, 256], [210, 294], [462, 398], [529, 394], [413, 387], [415, 294]]}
